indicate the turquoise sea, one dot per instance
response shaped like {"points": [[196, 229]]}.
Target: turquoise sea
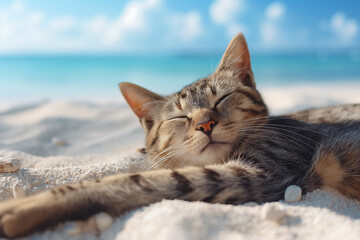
{"points": [[30, 78]]}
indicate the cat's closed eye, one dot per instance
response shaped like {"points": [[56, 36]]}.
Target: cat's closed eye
{"points": [[180, 118], [220, 100]]}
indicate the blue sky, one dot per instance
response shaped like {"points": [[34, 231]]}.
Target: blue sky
{"points": [[164, 26]]}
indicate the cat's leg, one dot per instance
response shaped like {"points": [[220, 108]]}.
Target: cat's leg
{"points": [[230, 183], [337, 163]]}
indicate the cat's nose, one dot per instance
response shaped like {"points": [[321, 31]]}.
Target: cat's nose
{"points": [[206, 127]]}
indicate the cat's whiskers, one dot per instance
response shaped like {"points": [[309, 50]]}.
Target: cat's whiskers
{"points": [[279, 125], [272, 130], [163, 151], [181, 154], [168, 154], [282, 129], [300, 128], [271, 138], [290, 117], [162, 160], [177, 155], [173, 160], [158, 159]]}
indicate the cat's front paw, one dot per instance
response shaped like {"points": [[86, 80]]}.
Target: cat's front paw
{"points": [[20, 217]]}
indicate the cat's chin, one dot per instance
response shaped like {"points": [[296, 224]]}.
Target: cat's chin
{"points": [[213, 153], [213, 146]]}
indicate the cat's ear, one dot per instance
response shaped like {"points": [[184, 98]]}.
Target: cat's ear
{"points": [[237, 59], [143, 102]]}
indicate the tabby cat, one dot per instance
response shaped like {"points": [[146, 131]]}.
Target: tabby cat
{"points": [[214, 142]]}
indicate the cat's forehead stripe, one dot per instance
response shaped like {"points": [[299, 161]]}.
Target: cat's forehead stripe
{"points": [[178, 105], [205, 92], [213, 89]]}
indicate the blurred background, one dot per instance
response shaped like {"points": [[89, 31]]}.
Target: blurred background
{"points": [[82, 49]]}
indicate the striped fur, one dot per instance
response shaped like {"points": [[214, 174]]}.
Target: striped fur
{"points": [[244, 155]]}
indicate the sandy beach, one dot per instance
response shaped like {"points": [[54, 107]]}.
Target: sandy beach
{"points": [[65, 141]]}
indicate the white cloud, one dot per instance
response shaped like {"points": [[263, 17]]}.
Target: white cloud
{"points": [[345, 28], [142, 23], [270, 30], [275, 11], [136, 13], [135, 18], [138, 19], [187, 26], [225, 12], [25, 30]]}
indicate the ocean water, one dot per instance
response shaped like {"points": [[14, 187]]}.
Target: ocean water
{"points": [[31, 78]]}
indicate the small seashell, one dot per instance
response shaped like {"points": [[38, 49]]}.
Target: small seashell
{"points": [[250, 204], [273, 212], [8, 165], [58, 142], [292, 194], [18, 191], [103, 221]]}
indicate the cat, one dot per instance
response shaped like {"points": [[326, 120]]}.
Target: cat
{"points": [[213, 141]]}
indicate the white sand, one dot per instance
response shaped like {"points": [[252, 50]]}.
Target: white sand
{"points": [[102, 139]]}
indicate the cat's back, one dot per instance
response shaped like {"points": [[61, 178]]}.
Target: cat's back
{"points": [[330, 114]]}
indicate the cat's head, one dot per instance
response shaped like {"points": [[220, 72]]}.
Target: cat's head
{"points": [[206, 121]]}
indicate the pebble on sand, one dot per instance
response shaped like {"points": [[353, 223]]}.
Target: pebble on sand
{"points": [[8, 165], [103, 221], [292, 194]]}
